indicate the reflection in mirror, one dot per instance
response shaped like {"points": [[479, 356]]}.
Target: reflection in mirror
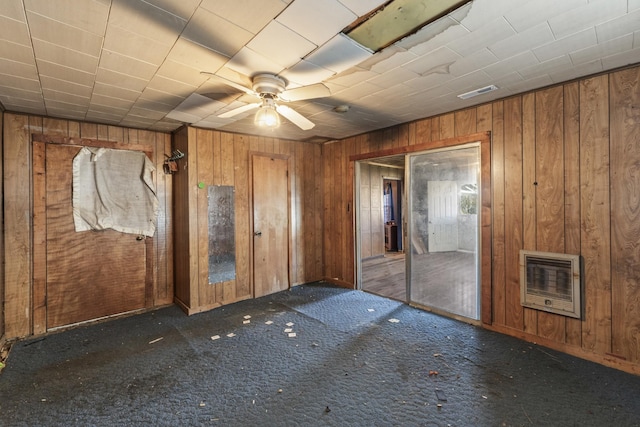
{"points": [[222, 245]]}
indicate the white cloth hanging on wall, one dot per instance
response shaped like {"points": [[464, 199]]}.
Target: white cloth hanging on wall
{"points": [[113, 189]]}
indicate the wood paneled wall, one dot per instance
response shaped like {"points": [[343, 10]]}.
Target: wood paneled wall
{"points": [[18, 210], [2, 254], [565, 178], [220, 158]]}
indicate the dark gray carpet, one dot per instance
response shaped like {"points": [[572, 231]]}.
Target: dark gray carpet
{"points": [[348, 365]]}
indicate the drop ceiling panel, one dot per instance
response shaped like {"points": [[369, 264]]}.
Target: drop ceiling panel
{"points": [[133, 67], [62, 72], [362, 7], [306, 73], [619, 26], [13, 9], [64, 35], [339, 54], [441, 32], [316, 21], [15, 31], [63, 56], [216, 33], [532, 13], [163, 84], [527, 40], [16, 52], [577, 70], [512, 64], [124, 81], [9, 67], [183, 8], [92, 17], [110, 102], [611, 47], [437, 62], [283, 46], [621, 59], [492, 32], [180, 72], [128, 43], [20, 83], [196, 56], [248, 14], [146, 20], [572, 43], [53, 95], [482, 12], [589, 15], [248, 62], [65, 86]]}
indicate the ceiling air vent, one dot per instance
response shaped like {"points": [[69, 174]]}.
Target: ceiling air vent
{"points": [[477, 92]]}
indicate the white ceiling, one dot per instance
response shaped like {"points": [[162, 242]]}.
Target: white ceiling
{"points": [[138, 63]]}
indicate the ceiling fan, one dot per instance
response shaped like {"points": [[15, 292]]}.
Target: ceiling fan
{"points": [[269, 90]]}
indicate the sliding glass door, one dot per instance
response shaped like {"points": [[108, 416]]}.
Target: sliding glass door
{"points": [[443, 230]]}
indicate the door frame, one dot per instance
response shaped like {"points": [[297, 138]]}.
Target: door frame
{"points": [[485, 208], [251, 155]]}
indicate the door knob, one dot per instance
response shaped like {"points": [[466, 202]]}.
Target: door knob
{"points": [[257, 233]]}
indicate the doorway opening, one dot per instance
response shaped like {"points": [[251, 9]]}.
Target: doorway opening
{"points": [[429, 255]]}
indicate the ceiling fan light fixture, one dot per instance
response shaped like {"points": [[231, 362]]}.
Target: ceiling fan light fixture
{"points": [[267, 116]]}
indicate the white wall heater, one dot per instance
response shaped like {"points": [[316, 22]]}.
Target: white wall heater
{"points": [[551, 282]]}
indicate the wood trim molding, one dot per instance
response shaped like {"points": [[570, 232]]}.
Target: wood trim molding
{"points": [[65, 140]]}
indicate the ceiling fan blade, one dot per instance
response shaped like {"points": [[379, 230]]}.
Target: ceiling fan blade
{"points": [[239, 110], [228, 82], [296, 118], [317, 90]]}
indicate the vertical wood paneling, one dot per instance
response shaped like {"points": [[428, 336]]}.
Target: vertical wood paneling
{"points": [[595, 213], [513, 209], [625, 209], [241, 179], [2, 253], [572, 190], [181, 206], [39, 238], [497, 180], [465, 122], [17, 226], [550, 191], [447, 126], [423, 132], [205, 161], [529, 191]]}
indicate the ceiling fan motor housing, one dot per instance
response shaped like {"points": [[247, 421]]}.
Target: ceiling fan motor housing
{"points": [[268, 84]]}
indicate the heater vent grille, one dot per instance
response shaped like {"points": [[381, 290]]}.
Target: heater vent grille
{"points": [[550, 282]]}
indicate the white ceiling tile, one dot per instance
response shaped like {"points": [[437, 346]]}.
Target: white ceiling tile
{"points": [[526, 40], [393, 77], [163, 84], [180, 72], [16, 52], [114, 78], [208, 29], [339, 54], [69, 58], [183, 8], [578, 19], [64, 35], [607, 48], [566, 45], [160, 97], [62, 72], [20, 93], [478, 60], [434, 35], [146, 20], [183, 117], [133, 67], [280, 44], [633, 5], [437, 62], [305, 73], [143, 113], [15, 31], [249, 63], [315, 20], [353, 76], [494, 32], [357, 91], [21, 83], [153, 105], [583, 69], [530, 84], [65, 86], [621, 59], [619, 26], [483, 12], [134, 45], [531, 13], [429, 81], [251, 15], [91, 17], [13, 9], [469, 82], [554, 65], [362, 7], [9, 67], [53, 95], [196, 56], [108, 102], [511, 64], [388, 59]]}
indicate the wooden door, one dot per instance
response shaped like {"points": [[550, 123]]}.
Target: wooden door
{"points": [[89, 274], [442, 199], [270, 224]]}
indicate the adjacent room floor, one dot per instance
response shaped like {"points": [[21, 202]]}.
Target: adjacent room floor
{"points": [[313, 356]]}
